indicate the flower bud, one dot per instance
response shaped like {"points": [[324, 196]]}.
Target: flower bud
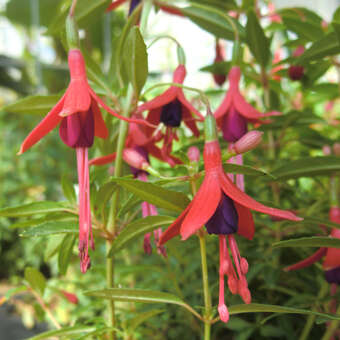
{"points": [[296, 72], [223, 312], [70, 297], [336, 149], [248, 142], [193, 154], [326, 149], [135, 159], [334, 215]]}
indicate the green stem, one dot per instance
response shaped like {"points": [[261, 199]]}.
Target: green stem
{"points": [[112, 220], [311, 318], [332, 327]]}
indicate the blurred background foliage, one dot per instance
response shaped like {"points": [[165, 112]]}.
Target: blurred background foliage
{"points": [[310, 121]]}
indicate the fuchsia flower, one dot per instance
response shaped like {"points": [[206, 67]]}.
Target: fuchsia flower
{"points": [[296, 72], [235, 113], [170, 108], [225, 210], [80, 121], [331, 262], [220, 57]]}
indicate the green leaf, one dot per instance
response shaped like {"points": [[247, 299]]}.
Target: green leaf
{"points": [[155, 194], [138, 228], [257, 40], [136, 59], [51, 228], [65, 252], [324, 47], [317, 221], [245, 170], [68, 189], [35, 279], [14, 291], [314, 241], [214, 21], [42, 207], [37, 105], [221, 67], [307, 167], [336, 26], [256, 307], [140, 318], [67, 331]]}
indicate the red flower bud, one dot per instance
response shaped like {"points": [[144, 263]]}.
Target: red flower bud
{"points": [[72, 298], [248, 142], [135, 159], [194, 154], [296, 72]]}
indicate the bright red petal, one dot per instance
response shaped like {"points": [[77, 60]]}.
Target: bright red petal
{"points": [[114, 5], [161, 100], [153, 117], [308, 261], [246, 227], [224, 106], [240, 197], [174, 229], [77, 97], [203, 206], [189, 121], [51, 120], [103, 160], [100, 129], [184, 101]]}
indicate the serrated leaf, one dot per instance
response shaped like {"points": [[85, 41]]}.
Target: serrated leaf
{"points": [[65, 252], [51, 228], [307, 167], [135, 59], [155, 194], [35, 279], [42, 207], [138, 228], [256, 308], [68, 189], [256, 39], [214, 21], [37, 105], [67, 331], [324, 47], [245, 170], [139, 319], [314, 241]]}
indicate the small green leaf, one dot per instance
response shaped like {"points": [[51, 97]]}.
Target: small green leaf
{"points": [[68, 189], [136, 59], [314, 241], [256, 307], [139, 319], [215, 21], [37, 105], [257, 40], [245, 170], [35, 279], [67, 331], [138, 228], [307, 167], [51, 228], [65, 252], [155, 194], [42, 207]]}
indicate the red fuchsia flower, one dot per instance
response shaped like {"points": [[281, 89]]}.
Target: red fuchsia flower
{"points": [[296, 72], [220, 57], [72, 298], [225, 210], [80, 121], [170, 108], [331, 263]]}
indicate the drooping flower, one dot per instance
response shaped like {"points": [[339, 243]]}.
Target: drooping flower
{"points": [[331, 263], [219, 57], [225, 210], [80, 120], [234, 113], [170, 108]]}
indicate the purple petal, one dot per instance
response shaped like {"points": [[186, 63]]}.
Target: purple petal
{"points": [[234, 126], [171, 114], [333, 275]]}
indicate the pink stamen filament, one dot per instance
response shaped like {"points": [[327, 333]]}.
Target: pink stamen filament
{"points": [[222, 308]]}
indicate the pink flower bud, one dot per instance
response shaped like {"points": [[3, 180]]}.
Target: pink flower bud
{"points": [[336, 149], [326, 149], [135, 159], [244, 266], [194, 154], [223, 312], [248, 142], [334, 215], [70, 297], [296, 72]]}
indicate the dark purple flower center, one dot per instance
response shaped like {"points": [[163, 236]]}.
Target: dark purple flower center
{"points": [[234, 126], [142, 151], [77, 130], [171, 114], [333, 275], [133, 5], [225, 219]]}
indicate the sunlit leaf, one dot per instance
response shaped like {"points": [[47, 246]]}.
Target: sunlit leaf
{"points": [[36, 280]]}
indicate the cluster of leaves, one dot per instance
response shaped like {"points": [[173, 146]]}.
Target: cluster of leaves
{"points": [[39, 221]]}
